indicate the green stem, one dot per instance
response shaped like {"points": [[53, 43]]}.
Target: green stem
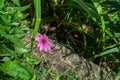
{"points": [[37, 6], [103, 31]]}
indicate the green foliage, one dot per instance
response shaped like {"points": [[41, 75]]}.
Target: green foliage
{"points": [[16, 2], [10, 17], [90, 9], [1, 4], [117, 77], [13, 39], [15, 70], [89, 27], [11, 24], [112, 50]]}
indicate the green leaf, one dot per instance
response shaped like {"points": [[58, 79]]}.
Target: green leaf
{"points": [[1, 3], [117, 35], [6, 19], [111, 35], [57, 77], [24, 16], [16, 70], [6, 59], [43, 73], [112, 50], [34, 77], [9, 51], [117, 77], [13, 39], [2, 28], [17, 2], [22, 8], [111, 46], [21, 50], [88, 8]]}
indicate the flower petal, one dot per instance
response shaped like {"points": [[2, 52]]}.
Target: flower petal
{"points": [[45, 46], [41, 47], [37, 38]]}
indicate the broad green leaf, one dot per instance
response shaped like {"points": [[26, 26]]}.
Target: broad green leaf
{"points": [[8, 51], [6, 19], [112, 50], [13, 39], [1, 3], [22, 8], [21, 50], [17, 2], [6, 59], [2, 28], [24, 16], [16, 70]]}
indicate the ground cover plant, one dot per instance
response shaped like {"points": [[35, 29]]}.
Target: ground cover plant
{"points": [[89, 28]]}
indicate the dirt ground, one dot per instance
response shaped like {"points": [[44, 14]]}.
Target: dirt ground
{"points": [[62, 58]]}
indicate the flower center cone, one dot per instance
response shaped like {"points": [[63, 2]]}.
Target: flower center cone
{"points": [[44, 41]]}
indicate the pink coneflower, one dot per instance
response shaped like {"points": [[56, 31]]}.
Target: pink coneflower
{"points": [[43, 42], [47, 26]]}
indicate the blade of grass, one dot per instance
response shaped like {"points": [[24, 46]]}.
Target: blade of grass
{"points": [[111, 35], [112, 50], [89, 9], [103, 26]]}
